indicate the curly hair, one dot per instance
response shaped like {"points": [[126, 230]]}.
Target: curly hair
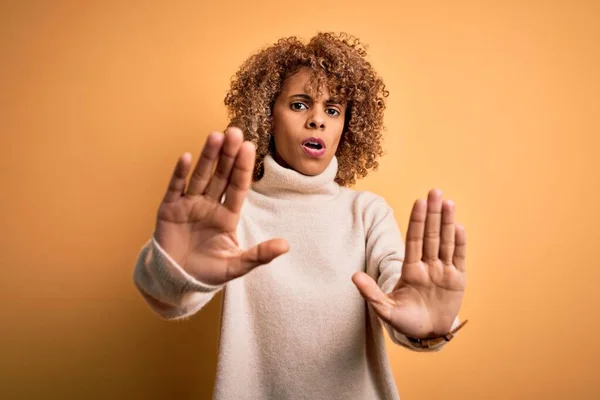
{"points": [[337, 60]]}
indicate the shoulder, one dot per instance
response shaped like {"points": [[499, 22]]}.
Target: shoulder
{"points": [[371, 206], [364, 198]]}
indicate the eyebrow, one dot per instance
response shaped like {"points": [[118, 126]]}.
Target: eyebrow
{"points": [[308, 98]]}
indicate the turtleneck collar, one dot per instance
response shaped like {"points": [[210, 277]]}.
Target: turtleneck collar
{"points": [[283, 183]]}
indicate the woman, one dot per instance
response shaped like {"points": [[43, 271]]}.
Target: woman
{"points": [[311, 115]]}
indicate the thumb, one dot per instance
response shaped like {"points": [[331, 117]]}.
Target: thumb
{"points": [[262, 253], [372, 293]]}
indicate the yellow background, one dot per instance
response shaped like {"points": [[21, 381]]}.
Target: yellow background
{"points": [[496, 103]]}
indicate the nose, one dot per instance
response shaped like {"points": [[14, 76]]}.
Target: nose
{"points": [[316, 119]]}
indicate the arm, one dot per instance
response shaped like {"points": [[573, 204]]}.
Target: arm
{"points": [[168, 289]]}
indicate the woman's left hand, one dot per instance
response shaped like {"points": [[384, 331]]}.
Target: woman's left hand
{"points": [[426, 300]]}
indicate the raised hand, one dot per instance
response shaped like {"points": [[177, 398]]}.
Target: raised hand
{"points": [[196, 226], [429, 293]]}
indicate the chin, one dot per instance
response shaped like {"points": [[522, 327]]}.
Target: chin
{"points": [[303, 164], [310, 172], [311, 167]]}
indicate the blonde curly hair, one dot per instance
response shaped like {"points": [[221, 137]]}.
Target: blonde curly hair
{"points": [[337, 60]]}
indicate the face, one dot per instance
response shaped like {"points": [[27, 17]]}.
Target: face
{"points": [[307, 129]]}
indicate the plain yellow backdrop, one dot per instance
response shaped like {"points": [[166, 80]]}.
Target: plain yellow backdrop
{"points": [[496, 103]]}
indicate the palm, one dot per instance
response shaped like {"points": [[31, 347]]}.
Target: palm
{"points": [[428, 295], [196, 228]]}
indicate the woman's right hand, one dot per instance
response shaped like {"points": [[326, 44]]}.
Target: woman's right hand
{"points": [[196, 229]]}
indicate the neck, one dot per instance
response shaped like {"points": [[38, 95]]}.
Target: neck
{"points": [[280, 182]]}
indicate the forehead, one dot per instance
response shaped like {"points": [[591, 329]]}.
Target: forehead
{"points": [[304, 82]]}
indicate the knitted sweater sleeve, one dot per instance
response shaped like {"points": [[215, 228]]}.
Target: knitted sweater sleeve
{"points": [[385, 255], [166, 287]]}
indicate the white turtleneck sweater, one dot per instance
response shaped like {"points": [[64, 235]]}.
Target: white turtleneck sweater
{"points": [[296, 328]]}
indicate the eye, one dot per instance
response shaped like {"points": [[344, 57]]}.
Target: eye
{"points": [[332, 112], [298, 106]]}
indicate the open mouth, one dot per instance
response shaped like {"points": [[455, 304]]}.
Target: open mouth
{"points": [[314, 143]]}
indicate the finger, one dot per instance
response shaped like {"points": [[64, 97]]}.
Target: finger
{"points": [[241, 177], [229, 151], [460, 251], [431, 243], [260, 254], [371, 292], [176, 186], [414, 235], [448, 229], [204, 167]]}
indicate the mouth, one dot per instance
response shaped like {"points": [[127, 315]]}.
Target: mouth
{"points": [[313, 143]]}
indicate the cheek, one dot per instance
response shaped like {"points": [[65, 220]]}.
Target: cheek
{"points": [[278, 113], [276, 120], [339, 129], [286, 123], [338, 137], [337, 143]]}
